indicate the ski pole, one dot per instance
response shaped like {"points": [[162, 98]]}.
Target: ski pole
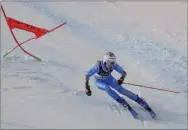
{"points": [[150, 87]]}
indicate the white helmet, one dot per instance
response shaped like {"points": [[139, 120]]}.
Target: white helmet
{"points": [[109, 57]]}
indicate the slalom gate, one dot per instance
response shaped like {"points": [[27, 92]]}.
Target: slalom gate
{"points": [[39, 32]]}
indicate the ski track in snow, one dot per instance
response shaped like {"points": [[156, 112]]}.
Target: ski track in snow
{"points": [[47, 84]]}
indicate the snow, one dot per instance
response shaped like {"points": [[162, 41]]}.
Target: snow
{"points": [[149, 39]]}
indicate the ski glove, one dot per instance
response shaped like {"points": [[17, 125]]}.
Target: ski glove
{"points": [[88, 90], [121, 79]]}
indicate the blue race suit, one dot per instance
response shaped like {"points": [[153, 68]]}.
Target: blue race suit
{"points": [[105, 81]]}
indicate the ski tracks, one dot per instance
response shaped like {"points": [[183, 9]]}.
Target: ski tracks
{"points": [[123, 111], [117, 109]]}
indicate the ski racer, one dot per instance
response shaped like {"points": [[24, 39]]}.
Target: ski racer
{"points": [[105, 81]]}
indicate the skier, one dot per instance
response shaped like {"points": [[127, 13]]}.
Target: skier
{"points": [[105, 81]]}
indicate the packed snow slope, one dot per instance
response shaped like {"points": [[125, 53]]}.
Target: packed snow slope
{"points": [[148, 38]]}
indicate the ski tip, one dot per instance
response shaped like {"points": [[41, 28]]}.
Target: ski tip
{"points": [[153, 117]]}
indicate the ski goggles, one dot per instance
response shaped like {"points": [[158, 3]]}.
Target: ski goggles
{"points": [[111, 63]]}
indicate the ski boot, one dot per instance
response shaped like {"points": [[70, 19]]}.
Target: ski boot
{"points": [[126, 105], [144, 104]]}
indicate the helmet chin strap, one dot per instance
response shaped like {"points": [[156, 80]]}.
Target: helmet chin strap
{"points": [[107, 65]]}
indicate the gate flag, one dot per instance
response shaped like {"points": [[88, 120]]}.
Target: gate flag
{"points": [[39, 32]]}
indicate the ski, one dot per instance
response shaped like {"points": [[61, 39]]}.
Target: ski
{"points": [[131, 110], [151, 112]]}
